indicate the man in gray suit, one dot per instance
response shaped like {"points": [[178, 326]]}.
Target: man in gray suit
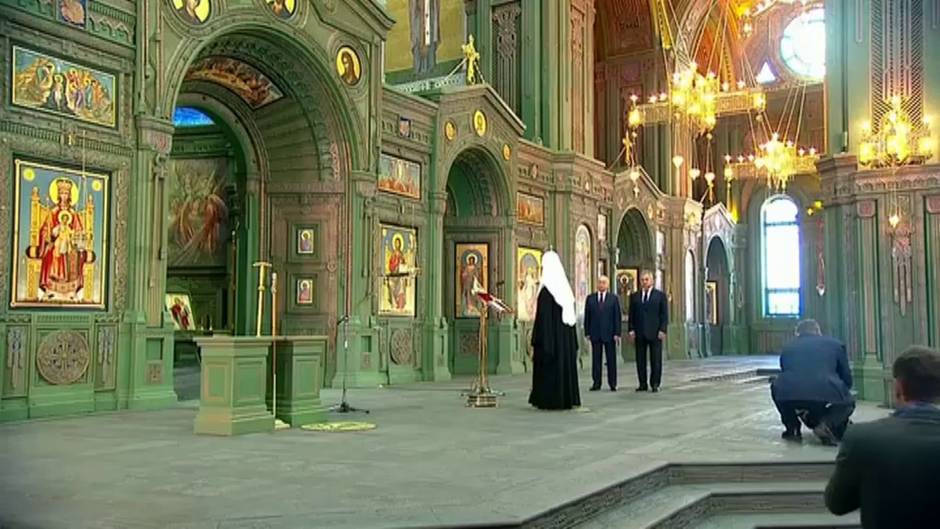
{"points": [[890, 468], [813, 385]]}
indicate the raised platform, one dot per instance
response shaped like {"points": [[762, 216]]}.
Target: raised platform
{"points": [[433, 462]]}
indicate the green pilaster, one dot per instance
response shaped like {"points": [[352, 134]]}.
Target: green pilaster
{"points": [[532, 68], [149, 378], [436, 337], [932, 65], [509, 358], [848, 52], [360, 363]]}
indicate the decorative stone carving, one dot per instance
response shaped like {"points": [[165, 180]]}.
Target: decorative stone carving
{"points": [[16, 352], [154, 373], [505, 19], [866, 209], [105, 353], [63, 357], [401, 346], [469, 344]]}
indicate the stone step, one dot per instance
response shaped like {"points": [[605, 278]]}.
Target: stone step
{"points": [[780, 521], [681, 505]]}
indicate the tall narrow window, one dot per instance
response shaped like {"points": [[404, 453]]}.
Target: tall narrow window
{"points": [[780, 253]]}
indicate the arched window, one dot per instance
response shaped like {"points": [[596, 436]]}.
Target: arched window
{"points": [[780, 255]]}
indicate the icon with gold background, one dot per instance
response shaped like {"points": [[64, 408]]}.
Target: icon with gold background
{"points": [[348, 66], [193, 11]]}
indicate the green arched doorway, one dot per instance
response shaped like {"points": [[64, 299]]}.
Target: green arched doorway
{"points": [[476, 229]]}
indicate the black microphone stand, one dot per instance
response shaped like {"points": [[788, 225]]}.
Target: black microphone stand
{"points": [[343, 406]]}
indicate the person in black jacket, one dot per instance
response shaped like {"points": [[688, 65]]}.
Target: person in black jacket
{"points": [[649, 317], [814, 385], [602, 327], [890, 468]]}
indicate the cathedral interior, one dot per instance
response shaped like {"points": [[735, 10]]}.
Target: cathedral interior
{"points": [[220, 217]]}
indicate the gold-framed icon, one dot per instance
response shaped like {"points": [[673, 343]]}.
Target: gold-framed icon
{"points": [[450, 130], [348, 66]]}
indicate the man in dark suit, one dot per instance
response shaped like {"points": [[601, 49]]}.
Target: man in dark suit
{"points": [[649, 316], [890, 468], [813, 385], [602, 327]]}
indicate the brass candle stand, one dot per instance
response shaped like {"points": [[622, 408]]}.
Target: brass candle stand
{"points": [[481, 395]]}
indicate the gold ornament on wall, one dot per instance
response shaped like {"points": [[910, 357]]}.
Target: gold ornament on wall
{"points": [[450, 130], [479, 122], [507, 152]]}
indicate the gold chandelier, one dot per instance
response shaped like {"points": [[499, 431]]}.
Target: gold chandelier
{"points": [[695, 96], [898, 140], [780, 160]]}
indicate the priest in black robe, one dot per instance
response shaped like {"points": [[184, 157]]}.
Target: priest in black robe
{"points": [[554, 341]]}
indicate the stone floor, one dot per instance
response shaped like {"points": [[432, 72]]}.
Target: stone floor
{"points": [[431, 460]]}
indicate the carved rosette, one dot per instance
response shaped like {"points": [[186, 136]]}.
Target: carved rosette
{"points": [[402, 346], [63, 357]]}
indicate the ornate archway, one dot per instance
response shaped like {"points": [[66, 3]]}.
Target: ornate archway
{"points": [[477, 238], [300, 128]]}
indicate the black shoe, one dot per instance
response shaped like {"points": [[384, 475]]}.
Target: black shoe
{"points": [[655, 389], [594, 388], [825, 435], [613, 388], [792, 435], [642, 388]]}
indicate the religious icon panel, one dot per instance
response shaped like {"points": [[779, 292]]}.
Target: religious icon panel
{"points": [[711, 302], [472, 261], [60, 232], [626, 285], [56, 86], [193, 11], [304, 291], [399, 176], [530, 209], [582, 266], [282, 8], [399, 251], [348, 66], [199, 229], [181, 311], [243, 79], [73, 12], [528, 271], [305, 241]]}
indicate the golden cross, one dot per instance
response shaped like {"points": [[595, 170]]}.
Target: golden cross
{"points": [[472, 58]]}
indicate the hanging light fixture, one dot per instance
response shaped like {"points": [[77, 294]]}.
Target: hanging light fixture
{"points": [[898, 141], [779, 160]]}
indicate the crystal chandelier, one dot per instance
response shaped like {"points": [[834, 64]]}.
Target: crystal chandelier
{"points": [[898, 141]]}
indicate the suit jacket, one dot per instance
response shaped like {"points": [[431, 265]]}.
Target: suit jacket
{"points": [[602, 322], [891, 470], [814, 368], [650, 318]]}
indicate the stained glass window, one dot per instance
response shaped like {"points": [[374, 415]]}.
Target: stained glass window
{"points": [[191, 117], [780, 244], [803, 44]]}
